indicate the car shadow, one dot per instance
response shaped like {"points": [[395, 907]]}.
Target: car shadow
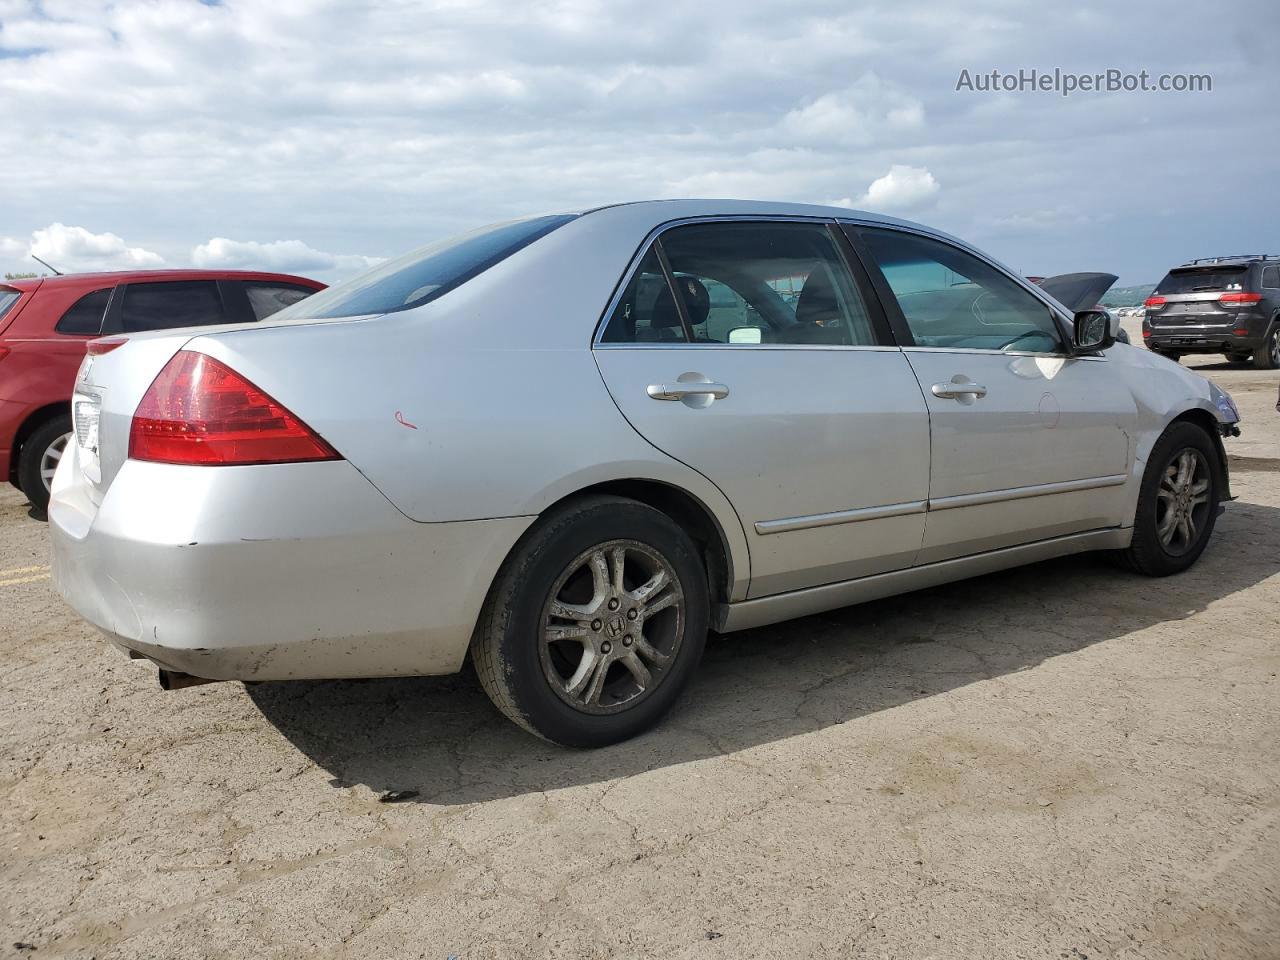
{"points": [[441, 737]]}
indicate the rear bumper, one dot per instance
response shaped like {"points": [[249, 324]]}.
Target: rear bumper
{"points": [[1205, 338], [270, 573]]}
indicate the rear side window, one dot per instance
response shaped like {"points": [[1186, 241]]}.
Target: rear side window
{"points": [[1204, 280], [8, 297], [268, 298], [428, 272], [161, 306], [84, 317], [1270, 278]]}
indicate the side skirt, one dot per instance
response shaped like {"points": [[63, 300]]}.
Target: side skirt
{"points": [[728, 617]]}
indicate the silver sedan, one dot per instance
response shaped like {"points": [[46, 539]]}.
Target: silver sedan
{"points": [[568, 446]]}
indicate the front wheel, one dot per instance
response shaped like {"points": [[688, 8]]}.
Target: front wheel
{"points": [[40, 455], [1267, 356], [595, 623], [1178, 503]]}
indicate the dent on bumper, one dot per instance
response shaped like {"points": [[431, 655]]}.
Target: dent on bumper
{"points": [[269, 573]]}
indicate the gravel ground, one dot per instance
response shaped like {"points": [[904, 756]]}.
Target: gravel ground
{"points": [[1064, 761]]}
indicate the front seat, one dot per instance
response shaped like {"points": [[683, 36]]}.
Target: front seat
{"points": [[818, 316]]}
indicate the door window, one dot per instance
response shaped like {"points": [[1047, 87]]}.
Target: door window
{"points": [[950, 298], [1271, 277], [161, 306], [744, 283]]}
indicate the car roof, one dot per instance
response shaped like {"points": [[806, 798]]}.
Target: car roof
{"points": [[675, 209], [132, 276]]}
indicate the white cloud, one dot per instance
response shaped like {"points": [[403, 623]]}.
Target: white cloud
{"points": [[861, 114], [286, 256], [902, 188], [75, 249]]}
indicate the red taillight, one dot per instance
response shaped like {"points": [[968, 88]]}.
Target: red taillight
{"points": [[97, 348], [200, 412], [1239, 299], [1146, 333], [1241, 331], [1154, 303]]}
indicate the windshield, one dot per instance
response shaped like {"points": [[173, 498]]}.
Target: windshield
{"points": [[426, 273], [1212, 278]]}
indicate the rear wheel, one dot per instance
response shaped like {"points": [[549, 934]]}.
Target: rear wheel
{"points": [[39, 458], [595, 623], [1178, 503], [1267, 356]]}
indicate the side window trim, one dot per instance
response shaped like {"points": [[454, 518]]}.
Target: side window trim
{"points": [[863, 279], [899, 322]]}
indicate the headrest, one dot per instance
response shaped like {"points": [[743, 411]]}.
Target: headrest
{"points": [[817, 303], [696, 300]]}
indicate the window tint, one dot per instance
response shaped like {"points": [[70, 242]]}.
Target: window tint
{"points": [[1271, 277], [952, 299], [766, 283], [428, 272], [268, 298], [84, 317], [8, 297], [160, 306]]}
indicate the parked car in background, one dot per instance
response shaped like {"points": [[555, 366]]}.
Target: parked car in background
{"points": [[45, 323], [1228, 305], [546, 444]]}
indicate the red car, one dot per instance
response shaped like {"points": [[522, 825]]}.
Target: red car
{"points": [[45, 323]]}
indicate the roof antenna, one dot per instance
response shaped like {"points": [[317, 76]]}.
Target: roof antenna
{"points": [[56, 271]]}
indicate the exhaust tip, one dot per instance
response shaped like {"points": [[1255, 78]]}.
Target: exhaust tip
{"points": [[176, 680]]}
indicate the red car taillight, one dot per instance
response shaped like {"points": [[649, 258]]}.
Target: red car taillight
{"points": [[1239, 299], [1154, 303], [200, 412]]}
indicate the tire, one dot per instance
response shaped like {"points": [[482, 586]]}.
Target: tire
{"points": [[1150, 553], [552, 586], [43, 448], [1267, 356]]}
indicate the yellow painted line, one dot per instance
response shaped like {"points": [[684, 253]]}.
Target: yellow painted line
{"points": [[9, 573], [14, 583]]}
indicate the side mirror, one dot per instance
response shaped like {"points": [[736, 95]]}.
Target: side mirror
{"points": [[1091, 332], [744, 335]]}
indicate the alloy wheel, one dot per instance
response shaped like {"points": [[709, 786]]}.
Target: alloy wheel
{"points": [[612, 626], [1182, 501], [50, 458], [1274, 349]]}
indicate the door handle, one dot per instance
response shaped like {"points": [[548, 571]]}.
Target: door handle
{"points": [[960, 387], [679, 391]]}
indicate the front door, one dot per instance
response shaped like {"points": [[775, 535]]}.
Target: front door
{"points": [[1028, 442], [767, 370]]}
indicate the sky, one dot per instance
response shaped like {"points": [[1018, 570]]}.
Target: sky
{"points": [[319, 136]]}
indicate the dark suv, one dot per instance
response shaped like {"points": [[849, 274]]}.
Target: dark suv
{"points": [[1228, 305]]}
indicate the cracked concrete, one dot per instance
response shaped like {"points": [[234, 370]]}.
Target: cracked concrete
{"points": [[1060, 761]]}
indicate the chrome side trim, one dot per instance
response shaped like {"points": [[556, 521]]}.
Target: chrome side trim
{"points": [[1022, 493], [728, 617], [766, 527]]}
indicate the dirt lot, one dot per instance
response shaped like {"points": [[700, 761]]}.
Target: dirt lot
{"points": [[1064, 761]]}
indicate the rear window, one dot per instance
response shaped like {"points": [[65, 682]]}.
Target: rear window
{"points": [[270, 298], [426, 273], [84, 317], [1207, 279]]}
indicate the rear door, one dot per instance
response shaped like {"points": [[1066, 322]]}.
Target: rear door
{"points": [[1028, 442], [752, 351]]}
